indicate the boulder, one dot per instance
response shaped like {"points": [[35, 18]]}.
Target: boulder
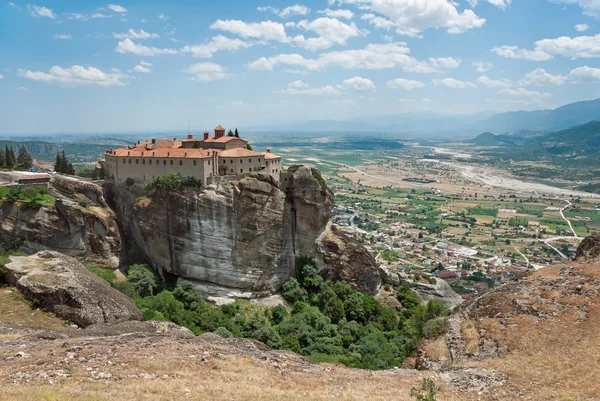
{"points": [[440, 291], [589, 248], [63, 286]]}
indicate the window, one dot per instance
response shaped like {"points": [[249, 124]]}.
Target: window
{"points": [[144, 162], [164, 162], [224, 161], [241, 161], [249, 160], [123, 161], [209, 162], [181, 162], [150, 161], [231, 161], [137, 161], [129, 161], [171, 161], [232, 170], [241, 170], [194, 162]]}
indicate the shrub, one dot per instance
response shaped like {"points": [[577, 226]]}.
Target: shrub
{"points": [[126, 288], [35, 304], [82, 202], [129, 181], [173, 180], [435, 327], [223, 332], [293, 292], [432, 280], [108, 275], [269, 336], [426, 391], [187, 294], [278, 314]]}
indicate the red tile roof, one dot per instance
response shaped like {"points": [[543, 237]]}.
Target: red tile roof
{"points": [[179, 153], [223, 139], [240, 152], [270, 156], [219, 128]]}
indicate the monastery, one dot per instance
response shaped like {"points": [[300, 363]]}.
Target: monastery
{"points": [[204, 159]]}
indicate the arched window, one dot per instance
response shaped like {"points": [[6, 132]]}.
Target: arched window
{"points": [[194, 162], [137, 161], [181, 162], [164, 162]]}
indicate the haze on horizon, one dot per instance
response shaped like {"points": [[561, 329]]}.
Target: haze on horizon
{"points": [[135, 66]]}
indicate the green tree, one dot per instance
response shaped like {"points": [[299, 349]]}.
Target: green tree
{"points": [[237, 134], [330, 304], [187, 294], [278, 314], [248, 146], [293, 292], [230, 133], [143, 280], [2, 158], [24, 160], [10, 161], [426, 391]]}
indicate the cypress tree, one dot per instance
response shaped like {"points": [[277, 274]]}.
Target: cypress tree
{"points": [[57, 164], [64, 163], [237, 134], [24, 160], [13, 157], [2, 158], [10, 163], [230, 133]]}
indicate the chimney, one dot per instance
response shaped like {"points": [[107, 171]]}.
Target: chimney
{"points": [[205, 135], [174, 139], [153, 141], [138, 142], [190, 136], [268, 150]]}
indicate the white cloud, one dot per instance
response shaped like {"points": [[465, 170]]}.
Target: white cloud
{"points": [[339, 13], [75, 76], [482, 66], [545, 49], [76, 16], [267, 30], [358, 84], [539, 77], [298, 84], [321, 91], [145, 63], [454, 83], [296, 9], [373, 56], [379, 22], [100, 15], [515, 52], [142, 69], [491, 83], [133, 34], [444, 62], [501, 4], [20, 88], [13, 5], [331, 31], [38, 11], [585, 74], [1, 76], [408, 84], [411, 17], [415, 101], [128, 46], [62, 36], [206, 72], [581, 27], [163, 17], [590, 7], [522, 92], [116, 8], [218, 43]]}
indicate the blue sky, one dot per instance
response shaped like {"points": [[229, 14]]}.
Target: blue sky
{"points": [[73, 66]]}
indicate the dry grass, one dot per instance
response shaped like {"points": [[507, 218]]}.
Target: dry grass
{"points": [[436, 350], [15, 310], [469, 334]]}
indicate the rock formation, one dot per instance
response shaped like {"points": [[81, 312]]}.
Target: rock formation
{"points": [[63, 286], [589, 248], [66, 226], [239, 238]]}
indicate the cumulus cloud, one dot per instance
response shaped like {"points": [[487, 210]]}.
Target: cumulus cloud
{"points": [[522, 92], [296, 9], [501, 4], [142, 69], [539, 77], [116, 8], [482, 66], [298, 84], [379, 22], [145, 63], [408, 84], [444, 62], [330, 32], [412, 17], [339, 13], [492, 83], [581, 27], [266, 30], [62, 36], [1, 76], [75, 76], [585, 75], [373, 56], [39, 11], [206, 72], [128, 46], [358, 84], [454, 83], [590, 7], [545, 49], [216, 44], [133, 34], [302, 88]]}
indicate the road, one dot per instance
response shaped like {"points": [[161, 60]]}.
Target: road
{"points": [[569, 204]]}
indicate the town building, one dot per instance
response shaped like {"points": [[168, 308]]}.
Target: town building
{"points": [[205, 159]]}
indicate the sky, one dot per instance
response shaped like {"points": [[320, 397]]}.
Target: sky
{"points": [[74, 66]]}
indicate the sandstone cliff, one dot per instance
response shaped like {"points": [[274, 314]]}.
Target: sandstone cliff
{"points": [[66, 226], [239, 238]]}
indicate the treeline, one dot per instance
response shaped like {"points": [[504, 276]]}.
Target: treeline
{"points": [[327, 322], [62, 164], [8, 159]]}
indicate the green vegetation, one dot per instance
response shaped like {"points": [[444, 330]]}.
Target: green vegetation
{"points": [[24, 160], [105, 274], [62, 164], [173, 180], [518, 221], [34, 197], [327, 323], [483, 212], [426, 391]]}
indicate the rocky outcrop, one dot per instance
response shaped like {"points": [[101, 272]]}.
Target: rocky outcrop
{"points": [[589, 248], [63, 286], [69, 225], [239, 238]]}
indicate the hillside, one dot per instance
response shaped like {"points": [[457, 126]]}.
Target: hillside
{"points": [[487, 139]]}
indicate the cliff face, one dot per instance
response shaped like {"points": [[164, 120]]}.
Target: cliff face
{"points": [[238, 238], [65, 226]]}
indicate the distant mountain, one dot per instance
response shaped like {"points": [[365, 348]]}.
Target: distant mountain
{"points": [[580, 140], [487, 139], [545, 120]]}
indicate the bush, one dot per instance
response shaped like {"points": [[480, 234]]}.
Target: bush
{"points": [[187, 294], [223, 332], [173, 180], [293, 292], [269, 336], [278, 314], [426, 391], [129, 181], [82, 202], [435, 327]]}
